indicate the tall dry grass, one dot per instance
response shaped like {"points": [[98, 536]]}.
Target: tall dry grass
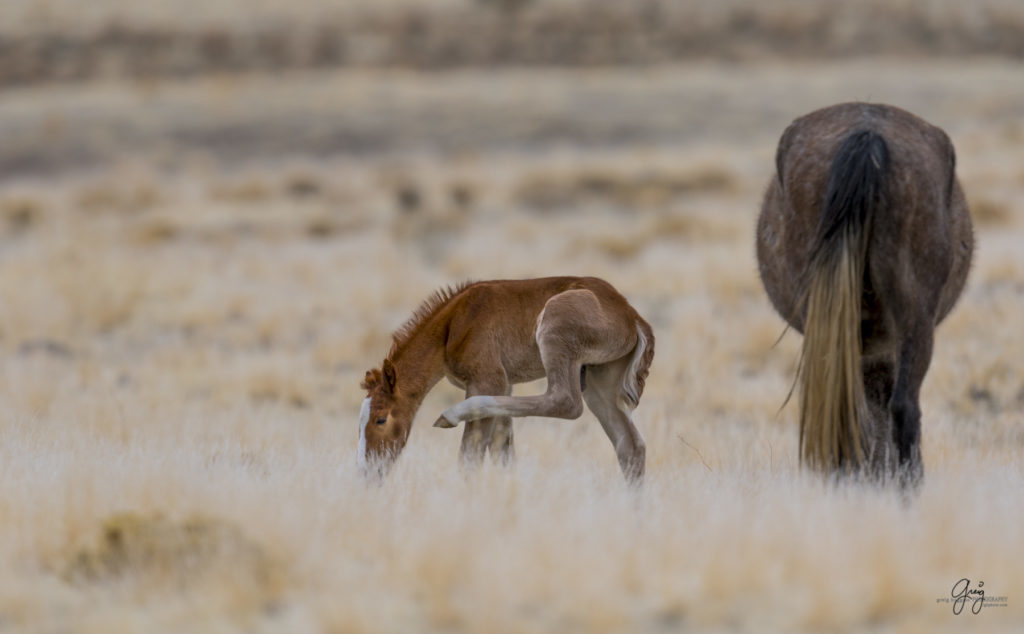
{"points": [[180, 353]]}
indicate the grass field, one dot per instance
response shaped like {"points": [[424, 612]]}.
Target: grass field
{"points": [[195, 273]]}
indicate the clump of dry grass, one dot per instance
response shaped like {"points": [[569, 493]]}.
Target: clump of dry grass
{"points": [[428, 221], [626, 238], [1002, 271], [463, 194], [692, 225], [990, 212], [276, 386], [152, 550], [115, 197], [154, 231], [408, 197], [20, 213], [302, 185], [75, 293], [245, 191], [101, 292], [553, 191]]}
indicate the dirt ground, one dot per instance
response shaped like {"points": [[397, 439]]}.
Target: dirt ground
{"points": [[196, 271]]}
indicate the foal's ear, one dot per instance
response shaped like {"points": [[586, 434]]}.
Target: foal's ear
{"points": [[371, 380], [390, 376]]}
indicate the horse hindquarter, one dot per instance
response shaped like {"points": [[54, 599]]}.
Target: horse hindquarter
{"points": [[833, 404]]}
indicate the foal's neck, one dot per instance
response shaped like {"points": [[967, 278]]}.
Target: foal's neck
{"points": [[419, 360]]}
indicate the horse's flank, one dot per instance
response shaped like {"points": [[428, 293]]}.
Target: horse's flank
{"points": [[864, 243]]}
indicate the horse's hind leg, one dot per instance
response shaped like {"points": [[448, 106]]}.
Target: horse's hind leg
{"points": [[879, 372], [604, 397], [914, 357]]}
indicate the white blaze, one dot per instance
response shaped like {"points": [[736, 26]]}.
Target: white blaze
{"points": [[364, 418]]}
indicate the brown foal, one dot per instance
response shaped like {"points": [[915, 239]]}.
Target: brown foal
{"points": [[579, 332]]}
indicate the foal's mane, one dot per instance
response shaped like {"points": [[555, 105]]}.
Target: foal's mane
{"points": [[430, 307]]}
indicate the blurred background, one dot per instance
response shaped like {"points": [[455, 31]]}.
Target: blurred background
{"points": [[294, 177], [243, 82], [214, 213]]}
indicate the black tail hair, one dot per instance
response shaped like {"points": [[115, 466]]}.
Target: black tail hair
{"points": [[856, 186]]}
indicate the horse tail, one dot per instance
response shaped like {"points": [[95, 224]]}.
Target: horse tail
{"points": [[639, 365], [832, 403]]}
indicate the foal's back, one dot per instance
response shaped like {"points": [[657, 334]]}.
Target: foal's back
{"points": [[499, 317]]}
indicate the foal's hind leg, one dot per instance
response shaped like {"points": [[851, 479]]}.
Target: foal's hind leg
{"points": [[604, 397], [572, 327], [563, 399]]}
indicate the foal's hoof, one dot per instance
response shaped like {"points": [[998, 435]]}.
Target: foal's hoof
{"points": [[444, 423]]}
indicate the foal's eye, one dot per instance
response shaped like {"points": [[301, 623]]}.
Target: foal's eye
{"points": [[381, 421]]}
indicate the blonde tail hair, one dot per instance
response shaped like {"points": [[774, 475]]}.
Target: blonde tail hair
{"points": [[832, 400], [639, 365]]}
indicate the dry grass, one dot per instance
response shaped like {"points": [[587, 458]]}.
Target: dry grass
{"points": [[181, 347], [144, 551], [987, 211], [20, 213], [551, 192]]}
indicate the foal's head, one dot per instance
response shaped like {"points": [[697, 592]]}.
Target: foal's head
{"points": [[384, 421]]}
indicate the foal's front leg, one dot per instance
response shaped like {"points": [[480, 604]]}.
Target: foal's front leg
{"points": [[486, 433], [501, 444], [474, 442]]}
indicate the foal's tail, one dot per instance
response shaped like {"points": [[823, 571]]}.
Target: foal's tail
{"points": [[639, 365], [832, 402]]}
